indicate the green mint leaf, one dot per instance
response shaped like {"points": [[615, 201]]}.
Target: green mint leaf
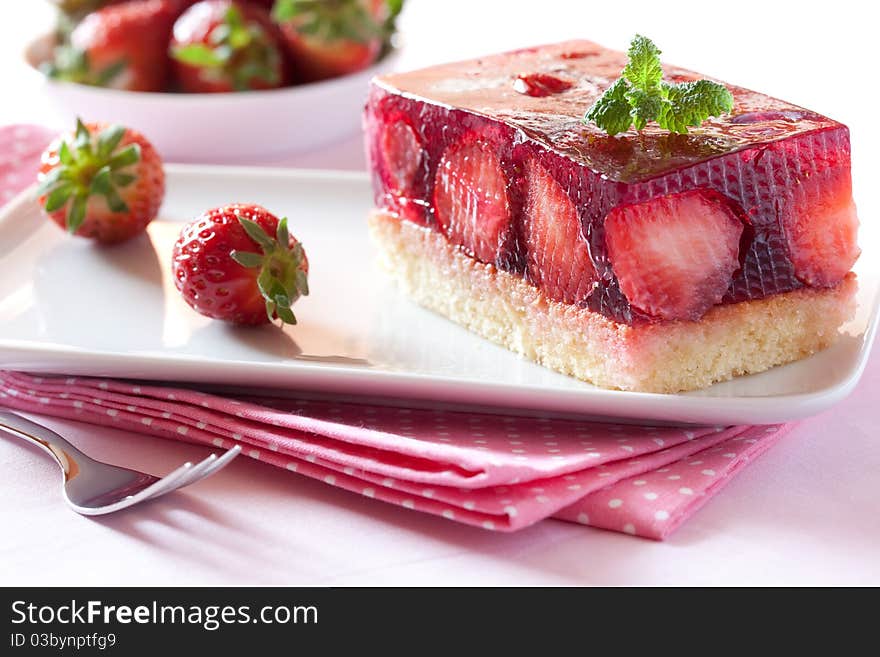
{"points": [[640, 96], [644, 106], [643, 69], [691, 103], [611, 111]]}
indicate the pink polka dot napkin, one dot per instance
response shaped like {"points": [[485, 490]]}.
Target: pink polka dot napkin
{"points": [[499, 473], [496, 472], [20, 149]]}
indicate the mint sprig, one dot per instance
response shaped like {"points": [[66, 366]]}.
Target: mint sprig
{"points": [[641, 95]]}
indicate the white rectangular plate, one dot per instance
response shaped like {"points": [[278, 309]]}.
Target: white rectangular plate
{"points": [[69, 306]]}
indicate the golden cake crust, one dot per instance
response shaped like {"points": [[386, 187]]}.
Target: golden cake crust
{"points": [[671, 356]]}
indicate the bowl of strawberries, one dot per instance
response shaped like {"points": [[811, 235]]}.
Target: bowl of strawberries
{"points": [[218, 80]]}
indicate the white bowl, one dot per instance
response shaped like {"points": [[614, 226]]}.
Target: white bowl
{"points": [[228, 127]]}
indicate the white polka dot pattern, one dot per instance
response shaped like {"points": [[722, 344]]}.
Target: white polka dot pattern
{"points": [[645, 484]]}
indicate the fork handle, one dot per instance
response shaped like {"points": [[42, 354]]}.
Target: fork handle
{"points": [[66, 454]]}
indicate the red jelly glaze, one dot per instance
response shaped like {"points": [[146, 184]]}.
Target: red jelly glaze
{"points": [[539, 85], [756, 162]]}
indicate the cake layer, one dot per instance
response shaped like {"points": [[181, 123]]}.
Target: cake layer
{"points": [[666, 357], [492, 153]]}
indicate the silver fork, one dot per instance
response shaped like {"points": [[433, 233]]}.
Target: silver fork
{"points": [[93, 488]]}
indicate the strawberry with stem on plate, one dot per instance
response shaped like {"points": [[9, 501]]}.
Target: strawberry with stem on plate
{"points": [[221, 46], [121, 46], [105, 182], [329, 38], [238, 263]]}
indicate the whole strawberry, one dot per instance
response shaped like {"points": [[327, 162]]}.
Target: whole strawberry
{"points": [[121, 46], [221, 46], [239, 264], [105, 182], [329, 38]]}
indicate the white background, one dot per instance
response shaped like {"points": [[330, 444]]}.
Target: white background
{"points": [[807, 512]]}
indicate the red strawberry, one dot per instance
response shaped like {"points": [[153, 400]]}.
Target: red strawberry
{"points": [[121, 46], [674, 255], [329, 39], [470, 199], [103, 182], [228, 266], [822, 227], [221, 46], [558, 257]]}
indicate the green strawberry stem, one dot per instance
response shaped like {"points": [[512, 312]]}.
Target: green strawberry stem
{"points": [[72, 65], [240, 48], [89, 167], [333, 20], [281, 280]]}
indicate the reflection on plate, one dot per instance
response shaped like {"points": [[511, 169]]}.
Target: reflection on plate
{"points": [[67, 306]]}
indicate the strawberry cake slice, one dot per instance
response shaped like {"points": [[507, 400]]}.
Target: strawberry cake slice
{"points": [[648, 260]]}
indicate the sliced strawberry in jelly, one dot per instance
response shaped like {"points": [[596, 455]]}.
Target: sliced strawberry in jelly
{"points": [[401, 153], [471, 201], [558, 259], [771, 160], [674, 256], [822, 227], [540, 84]]}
